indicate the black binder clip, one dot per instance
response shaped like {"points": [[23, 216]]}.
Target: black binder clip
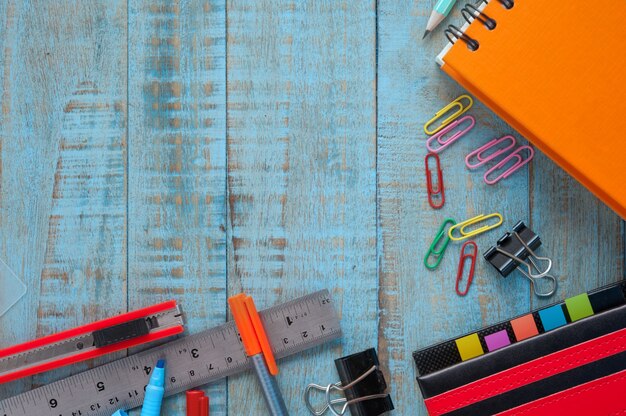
{"points": [[362, 384], [516, 249]]}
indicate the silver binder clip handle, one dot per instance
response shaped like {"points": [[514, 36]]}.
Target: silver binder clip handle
{"points": [[532, 257], [534, 280], [326, 391], [332, 404], [534, 277]]}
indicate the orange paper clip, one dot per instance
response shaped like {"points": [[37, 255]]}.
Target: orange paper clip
{"points": [[437, 192], [472, 254]]}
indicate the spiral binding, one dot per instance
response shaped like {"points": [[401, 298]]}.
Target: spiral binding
{"points": [[471, 13], [453, 34]]}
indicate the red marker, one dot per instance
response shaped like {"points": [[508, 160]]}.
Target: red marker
{"points": [[204, 406], [197, 403]]}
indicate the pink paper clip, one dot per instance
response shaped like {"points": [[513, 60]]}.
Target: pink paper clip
{"points": [[519, 162], [482, 159], [443, 143]]}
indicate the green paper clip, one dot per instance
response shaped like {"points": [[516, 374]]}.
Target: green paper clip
{"points": [[432, 250]]}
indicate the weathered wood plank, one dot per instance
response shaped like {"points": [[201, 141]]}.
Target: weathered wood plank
{"points": [[177, 170], [62, 135], [583, 237], [418, 306], [301, 172]]}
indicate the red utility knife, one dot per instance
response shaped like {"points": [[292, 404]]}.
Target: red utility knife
{"points": [[90, 341]]}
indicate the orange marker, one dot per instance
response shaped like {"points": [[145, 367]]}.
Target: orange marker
{"points": [[258, 348]]}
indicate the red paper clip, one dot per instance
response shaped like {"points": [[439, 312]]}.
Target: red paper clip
{"points": [[440, 190], [459, 274]]}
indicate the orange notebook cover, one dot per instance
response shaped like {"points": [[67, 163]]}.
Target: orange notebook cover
{"points": [[556, 72]]}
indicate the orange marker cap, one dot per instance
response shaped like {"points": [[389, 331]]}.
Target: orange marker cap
{"points": [[244, 324], [261, 336]]}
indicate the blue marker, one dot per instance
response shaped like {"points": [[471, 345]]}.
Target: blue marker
{"points": [[120, 413], [154, 391]]}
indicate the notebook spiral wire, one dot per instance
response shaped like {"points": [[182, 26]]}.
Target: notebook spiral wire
{"points": [[471, 13]]}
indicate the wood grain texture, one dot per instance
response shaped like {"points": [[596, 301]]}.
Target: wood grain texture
{"points": [[586, 239], [62, 129], [406, 70], [193, 149], [177, 170], [418, 306], [301, 172]]}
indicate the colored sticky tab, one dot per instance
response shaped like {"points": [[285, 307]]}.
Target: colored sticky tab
{"points": [[469, 347], [497, 340], [579, 307], [552, 317], [524, 327]]}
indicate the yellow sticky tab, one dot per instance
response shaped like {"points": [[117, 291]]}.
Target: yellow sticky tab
{"points": [[469, 347]]}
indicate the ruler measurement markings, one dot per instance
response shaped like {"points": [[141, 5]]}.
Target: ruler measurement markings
{"points": [[125, 379]]}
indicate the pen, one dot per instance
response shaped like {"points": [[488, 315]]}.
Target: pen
{"points": [[258, 348], [154, 391], [120, 413], [441, 10]]}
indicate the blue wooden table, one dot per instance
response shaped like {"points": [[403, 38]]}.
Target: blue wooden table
{"points": [[156, 149]]}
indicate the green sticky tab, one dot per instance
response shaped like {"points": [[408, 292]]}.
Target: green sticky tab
{"points": [[579, 307]]}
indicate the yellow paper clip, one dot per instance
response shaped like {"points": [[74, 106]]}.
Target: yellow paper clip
{"points": [[458, 102], [461, 226]]}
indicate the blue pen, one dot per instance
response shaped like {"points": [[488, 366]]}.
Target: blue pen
{"points": [[154, 391], [120, 413]]}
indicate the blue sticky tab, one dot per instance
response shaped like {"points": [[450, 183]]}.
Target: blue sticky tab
{"points": [[552, 317]]}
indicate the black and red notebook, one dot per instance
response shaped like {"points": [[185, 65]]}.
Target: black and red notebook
{"points": [[565, 359]]}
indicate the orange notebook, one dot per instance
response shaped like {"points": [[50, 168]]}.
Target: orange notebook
{"points": [[556, 72]]}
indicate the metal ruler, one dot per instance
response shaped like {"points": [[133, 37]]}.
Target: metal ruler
{"points": [[191, 362]]}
